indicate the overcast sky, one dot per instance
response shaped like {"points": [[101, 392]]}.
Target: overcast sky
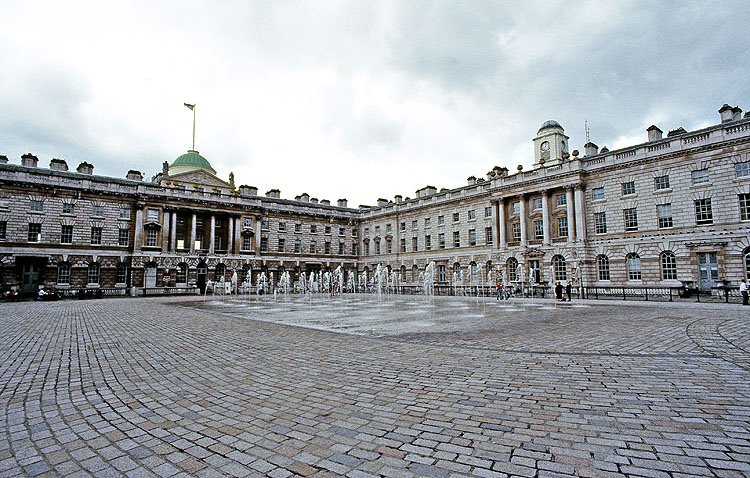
{"points": [[362, 98]]}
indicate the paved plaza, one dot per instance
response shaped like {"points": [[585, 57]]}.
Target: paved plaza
{"points": [[362, 386]]}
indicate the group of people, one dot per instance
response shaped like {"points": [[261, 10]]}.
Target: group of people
{"points": [[505, 291]]}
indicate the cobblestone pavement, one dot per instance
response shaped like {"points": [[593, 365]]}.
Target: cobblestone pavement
{"points": [[157, 387]]}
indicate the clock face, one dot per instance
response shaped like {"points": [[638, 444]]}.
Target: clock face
{"points": [[545, 146]]}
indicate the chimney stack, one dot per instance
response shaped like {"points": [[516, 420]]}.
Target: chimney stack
{"points": [[590, 149], [29, 160], [342, 202], [58, 165], [726, 113], [654, 133], [134, 175], [85, 168]]}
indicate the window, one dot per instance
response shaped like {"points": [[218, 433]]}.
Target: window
{"points": [[93, 273], [388, 228], [247, 223], [427, 243], [427, 222], [327, 230], [441, 240], [153, 214], [402, 226], [488, 237], [703, 212], [388, 246], [152, 237], [124, 213], [377, 246], [471, 214], [263, 244], [538, 229], [366, 248], [282, 227], [560, 268], [247, 242], [414, 224], [661, 182], [35, 232], [97, 210], [536, 204], [600, 222], [313, 228], [516, 207], [664, 215], [668, 266], [628, 188], [123, 236], [456, 217], [472, 237], [742, 170], [512, 269], [354, 232], [67, 208], [66, 235], [327, 247], [36, 205], [562, 227], [314, 247], [602, 266], [744, 207], [472, 272], [403, 244], [297, 246], [414, 244], [633, 264], [3, 229], [441, 220], [298, 227], [630, 217], [515, 231], [699, 176], [488, 211], [63, 273], [598, 193], [341, 248], [280, 245], [456, 239], [181, 276], [354, 248], [342, 231], [562, 199]]}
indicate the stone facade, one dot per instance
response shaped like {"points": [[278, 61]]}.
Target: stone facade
{"points": [[672, 211]]}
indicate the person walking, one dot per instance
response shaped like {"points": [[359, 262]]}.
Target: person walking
{"points": [[568, 290], [499, 289], [558, 291], [743, 292]]}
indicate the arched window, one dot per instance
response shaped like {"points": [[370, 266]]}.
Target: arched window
{"points": [[633, 264], [668, 266], [63, 273], [560, 268], [220, 271], [402, 276], [414, 273], [93, 273], [602, 267], [512, 269], [182, 270], [747, 264], [488, 270], [473, 272]]}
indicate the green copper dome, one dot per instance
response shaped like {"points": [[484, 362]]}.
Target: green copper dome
{"points": [[190, 161]]}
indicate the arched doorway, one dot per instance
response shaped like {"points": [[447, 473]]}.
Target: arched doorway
{"points": [[200, 276]]}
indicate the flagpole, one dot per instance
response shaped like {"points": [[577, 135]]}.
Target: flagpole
{"points": [[193, 128]]}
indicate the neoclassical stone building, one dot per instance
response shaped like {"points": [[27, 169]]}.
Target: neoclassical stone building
{"points": [[673, 210]]}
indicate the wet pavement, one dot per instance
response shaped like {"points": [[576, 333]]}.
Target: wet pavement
{"points": [[373, 386]]}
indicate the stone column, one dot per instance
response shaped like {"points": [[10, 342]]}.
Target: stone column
{"points": [[230, 235], [524, 219], [257, 236], [237, 235], [545, 217], [502, 240], [193, 226], [569, 209], [580, 213], [165, 231], [138, 236], [212, 237], [173, 233]]}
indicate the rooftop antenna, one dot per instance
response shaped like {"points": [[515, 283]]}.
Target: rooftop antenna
{"points": [[588, 131], [192, 108]]}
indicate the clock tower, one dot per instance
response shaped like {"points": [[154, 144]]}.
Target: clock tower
{"points": [[550, 144]]}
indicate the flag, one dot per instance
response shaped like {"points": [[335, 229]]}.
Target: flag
{"points": [[189, 106]]}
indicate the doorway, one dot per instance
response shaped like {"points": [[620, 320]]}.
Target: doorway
{"points": [[30, 278], [708, 270], [150, 277]]}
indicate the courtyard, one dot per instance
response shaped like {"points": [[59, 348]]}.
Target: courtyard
{"points": [[365, 386]]}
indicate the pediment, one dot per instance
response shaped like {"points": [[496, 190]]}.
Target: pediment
{"points": [[202, 178]]}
